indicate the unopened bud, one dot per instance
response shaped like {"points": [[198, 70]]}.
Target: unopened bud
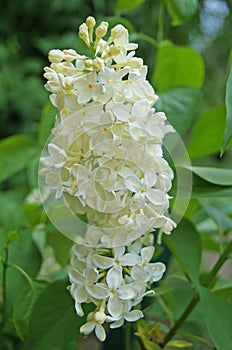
{"points": [[83, 33], [101, 30], [90, 22], [115, 50], [135, 62], [55, 56], [70, 55], [100, 317], [118, 31]]}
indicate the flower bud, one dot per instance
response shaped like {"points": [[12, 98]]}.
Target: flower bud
{"points": [[118, 31], [90, 22], [55, 56], [83, 33], [101, 30], [100, 317], [115, 50], [70, 55]]}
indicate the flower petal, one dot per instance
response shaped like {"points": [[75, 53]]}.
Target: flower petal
{"points": [[114, 278], [97, 291], [100, 332], [80, 294], [130, 259], [103, 262], [91, 275], [133, 183], [115, 306], [150, 177], [126, 292], [117, 324], [156, 197], [76, 277], [118, 252], [133, 315], [88, 327], [156, 270], [78, 309], [147, 254]]}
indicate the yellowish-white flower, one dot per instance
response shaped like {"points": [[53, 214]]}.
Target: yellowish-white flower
{"points": [[104, 159]]}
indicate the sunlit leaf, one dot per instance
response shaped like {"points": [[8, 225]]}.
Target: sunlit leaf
{"points": [[228, 128], [11, 236], [15, 154], [177, 66], [24, 253], [222, 220], [181, 10], [61, 245], [205, 189], [54, 322], [123, 6], [209, 127], [217, 315], [46, 123], [179, 344], [185, 244], [180, 105], [217, 176], [23, 307]]}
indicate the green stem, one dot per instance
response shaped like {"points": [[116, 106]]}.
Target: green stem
{"points": [[160, 31], [212, 275], [4, 268], [145, 37], [208, 283], [182, 318], [23, 273]]}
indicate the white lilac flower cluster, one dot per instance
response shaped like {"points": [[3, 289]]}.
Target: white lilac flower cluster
{"points": [[114, 280], [105, 157], [105, 161]]}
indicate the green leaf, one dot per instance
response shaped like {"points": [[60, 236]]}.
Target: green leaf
{"points": [[123, 6], [223, 222], [205, 189], [11, 236], [23, 307], [228, 128], [177, 66], [10, 208], [15, 154], [207, 133], [179, 344], [26, 255], [61, 245], [46, 124], [180, 105], [218, 176], [217, 315], [181, 10], [185, 244], [54, 322]]}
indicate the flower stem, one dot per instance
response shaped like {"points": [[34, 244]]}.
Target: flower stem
{"points": [[147, 38], [208, 284], [210, 279], [23, 273], [4, 268]]}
